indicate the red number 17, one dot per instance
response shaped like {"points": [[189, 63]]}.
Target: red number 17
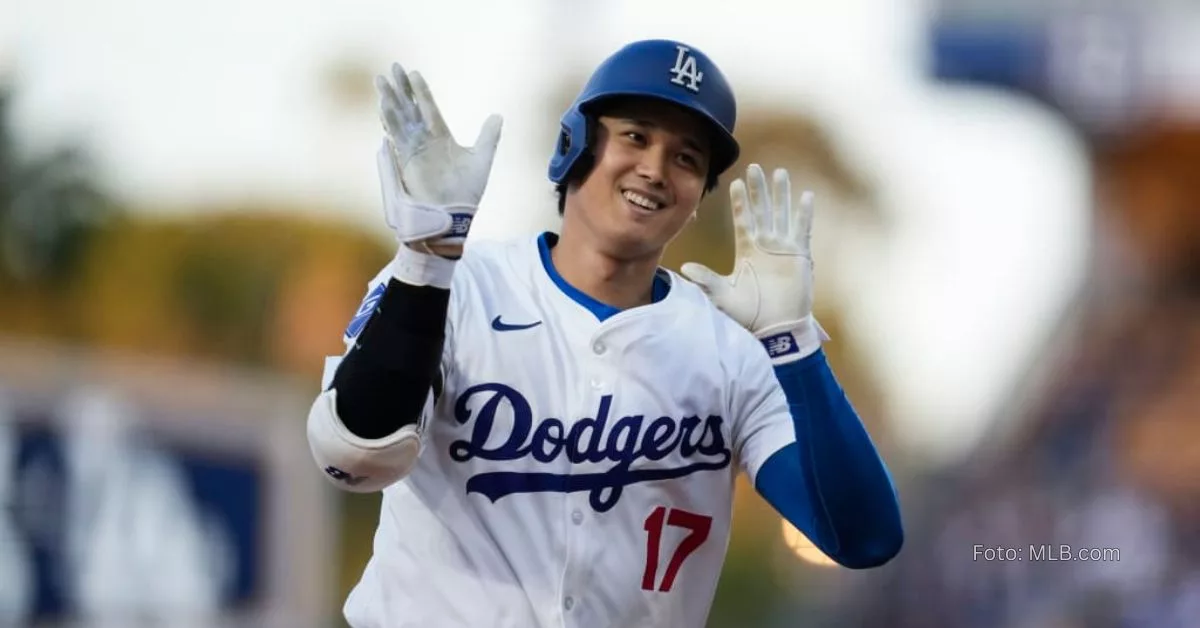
{"points": [[698, 526]]}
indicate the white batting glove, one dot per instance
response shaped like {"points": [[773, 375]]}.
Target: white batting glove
{"points": [[431, 185], [770, 291]]}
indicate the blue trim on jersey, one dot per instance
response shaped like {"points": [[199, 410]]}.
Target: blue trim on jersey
{"points": [[603, 311], [831, 483]]}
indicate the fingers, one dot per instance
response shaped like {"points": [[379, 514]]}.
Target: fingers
{"points": [[781, 199], [407, 99], [427, 106], [401, 117], [760, 199], [489, 135], [761, 213], [802, 222], [706, 278], [743, 222], [392, 100], [393, 125]]}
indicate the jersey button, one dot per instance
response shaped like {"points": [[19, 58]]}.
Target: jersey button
{"points": [[599, 348], [597, 384], [577, 517], [569, 602]]}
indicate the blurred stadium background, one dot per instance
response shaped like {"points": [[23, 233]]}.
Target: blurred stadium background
{"points": [[1009, 263]]}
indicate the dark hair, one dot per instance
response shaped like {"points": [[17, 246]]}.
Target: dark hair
{"points": [[561, 190], [578, 172]]}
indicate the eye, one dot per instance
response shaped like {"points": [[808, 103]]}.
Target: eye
{"points": [[636, 137], [690, 161]]}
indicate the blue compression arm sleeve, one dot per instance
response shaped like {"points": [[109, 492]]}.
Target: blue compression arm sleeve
{"points": [[831, 483]]}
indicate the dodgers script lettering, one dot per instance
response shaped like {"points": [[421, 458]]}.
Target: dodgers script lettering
{"points": [[629, 440]]}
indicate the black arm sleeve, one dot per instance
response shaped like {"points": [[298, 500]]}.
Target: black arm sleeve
{"points": [[382, 383]]}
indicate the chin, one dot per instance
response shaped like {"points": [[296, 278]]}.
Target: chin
{"points": [[631, 241]]}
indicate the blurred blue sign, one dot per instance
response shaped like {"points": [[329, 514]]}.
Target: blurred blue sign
{"points": [[106, 522], [1087, 62]]}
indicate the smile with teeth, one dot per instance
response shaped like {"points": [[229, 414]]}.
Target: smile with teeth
{"points": [[641, 201]]}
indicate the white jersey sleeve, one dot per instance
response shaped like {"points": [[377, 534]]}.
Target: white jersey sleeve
{"points": [[762, 420]]}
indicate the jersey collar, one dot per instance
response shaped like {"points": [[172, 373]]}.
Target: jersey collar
{"points": [[602, 311]]}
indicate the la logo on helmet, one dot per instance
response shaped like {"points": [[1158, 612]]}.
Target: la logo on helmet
{"points": [[685, 72]]}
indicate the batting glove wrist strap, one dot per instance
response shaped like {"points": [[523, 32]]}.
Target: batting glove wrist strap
{"points": [[793, 340], [422, 269]]}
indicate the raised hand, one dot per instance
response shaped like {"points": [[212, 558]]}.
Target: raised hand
{"points": [[431, 185], [770, 291]]}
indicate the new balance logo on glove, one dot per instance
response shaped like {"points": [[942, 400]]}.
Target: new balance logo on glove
{"points": [[780, 344]]}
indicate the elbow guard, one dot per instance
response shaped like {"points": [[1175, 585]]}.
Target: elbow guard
{"points": [[356, 464]]}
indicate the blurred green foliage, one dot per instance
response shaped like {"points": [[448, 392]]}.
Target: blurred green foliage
{"points": [[222, 283], [50, 207]]}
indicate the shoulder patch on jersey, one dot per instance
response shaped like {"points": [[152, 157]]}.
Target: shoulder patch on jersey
{"points": [[365, 310]]}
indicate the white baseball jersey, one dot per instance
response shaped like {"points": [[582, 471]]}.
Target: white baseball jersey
{"points": [[574, 472]]}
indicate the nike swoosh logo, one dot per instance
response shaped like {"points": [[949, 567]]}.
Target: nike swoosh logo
{"points": [[498, 325]]}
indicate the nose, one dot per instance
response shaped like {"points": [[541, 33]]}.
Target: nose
{"points": [[652, 167]]}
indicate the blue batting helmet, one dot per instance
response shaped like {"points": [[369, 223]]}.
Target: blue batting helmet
{"points": [[667, 70]]}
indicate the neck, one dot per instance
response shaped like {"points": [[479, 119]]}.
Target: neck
{"points": [[619, 282]]}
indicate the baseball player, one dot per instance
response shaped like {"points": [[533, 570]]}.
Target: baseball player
{"points": [[556, 422]]}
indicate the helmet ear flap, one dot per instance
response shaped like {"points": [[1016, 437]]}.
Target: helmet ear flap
{"points": [[564, 137], [564, 141], [573, 140]]}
